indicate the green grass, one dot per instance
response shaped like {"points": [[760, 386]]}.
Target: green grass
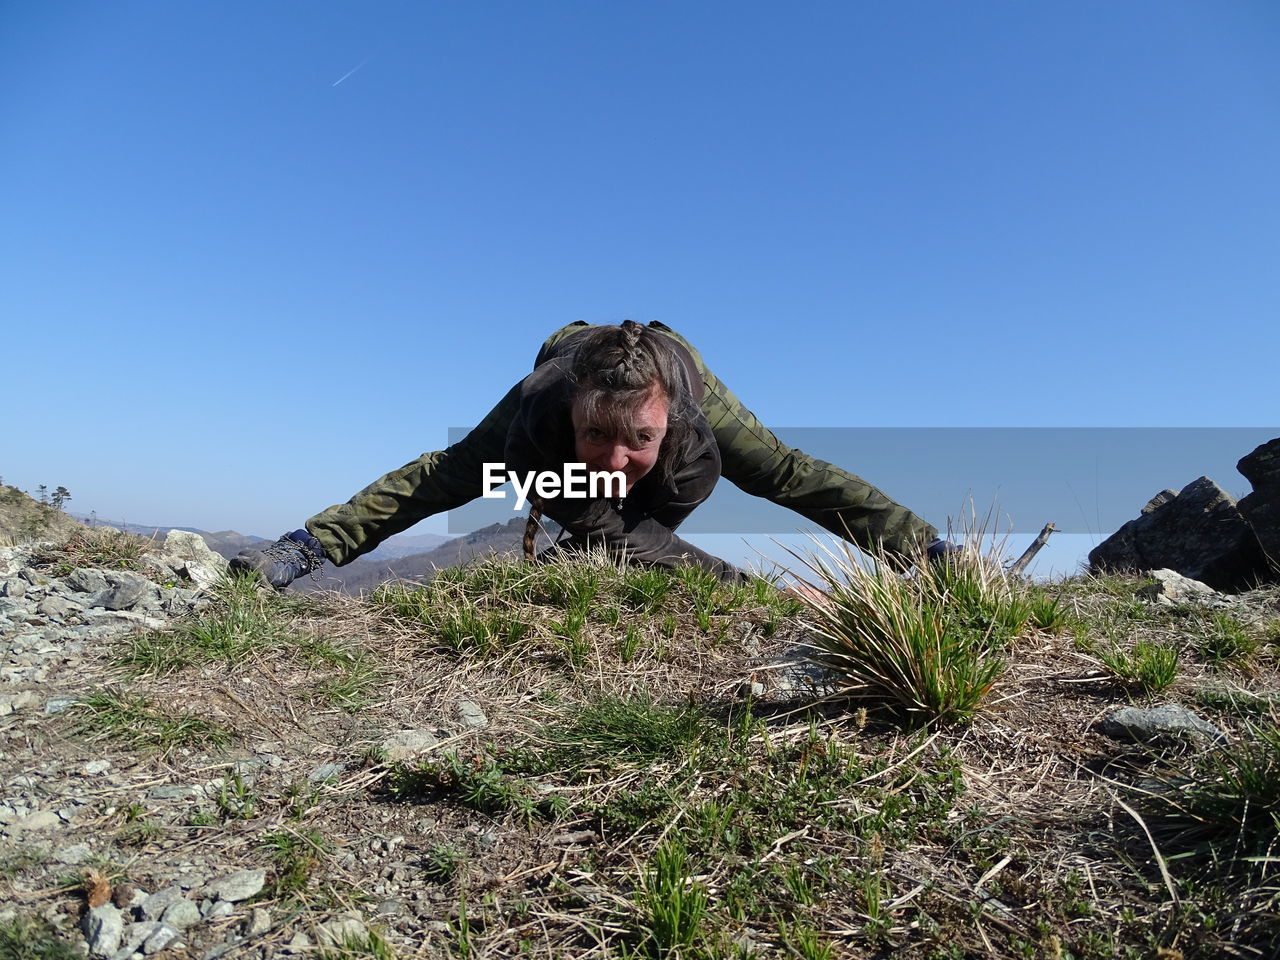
{"points": [[371, 945], [669, 906], [96, 547], [296, 856], [244, 621], [925, 646], [31, 938], [1218, 824], [1147, 668], [138, 721], [1225, 640], [570, 610]]}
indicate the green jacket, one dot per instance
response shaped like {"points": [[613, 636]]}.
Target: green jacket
{"points": [[529, 430]]}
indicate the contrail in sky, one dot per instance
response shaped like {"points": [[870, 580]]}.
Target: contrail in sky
{"points": [[350, 72]]}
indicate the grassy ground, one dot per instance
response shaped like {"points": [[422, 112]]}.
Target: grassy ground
{"points": [[634, 795]]}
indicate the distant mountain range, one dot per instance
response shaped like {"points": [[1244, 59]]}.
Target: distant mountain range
{"points": [[401, 557]]}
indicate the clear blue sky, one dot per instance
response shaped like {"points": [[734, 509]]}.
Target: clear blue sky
{"points": [[254, 255]]}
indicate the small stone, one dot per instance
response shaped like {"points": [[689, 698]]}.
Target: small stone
{"points": [[73, 855], [1155, 723], [103, 927], [340, 932], [160, 938], [13, 588], [1171, 588], [299, 941], [173, 792], [154, 906], [86, 580], [237, 886], [38, 822], [95, 767], [124, 597], [213, 909], [408, 744], [59, 704], [390, 908], [326, 771], [54, 607], [126, 896], [259, 922], [470, 714], [181, 914]]}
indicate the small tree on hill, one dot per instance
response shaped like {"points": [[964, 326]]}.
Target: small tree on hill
{"points": [[60, 496], [43, 493]]}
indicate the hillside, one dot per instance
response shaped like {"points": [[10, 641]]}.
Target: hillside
{"points": [[22, 517], [581, 761], [362, 575]]}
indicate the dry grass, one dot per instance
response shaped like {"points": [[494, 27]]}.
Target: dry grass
{"points": [[626, 799]]}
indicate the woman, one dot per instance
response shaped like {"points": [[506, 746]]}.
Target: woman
{"points": [[629, 398]]}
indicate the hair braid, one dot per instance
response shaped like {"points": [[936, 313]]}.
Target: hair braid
{"points": [[531, 528]]}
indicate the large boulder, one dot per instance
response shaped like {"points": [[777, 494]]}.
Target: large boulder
{"points": [[1200, 533], [1261, 508]]}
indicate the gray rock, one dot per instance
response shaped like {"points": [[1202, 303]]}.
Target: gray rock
{"points": [[154, 906], [59, 704], [13, 588], [41, 821], [326, 771], [259, 922], [181, 914], [1172, 588], [73, 855], [237, 886], [129, 591], [1155, 723], [159, 938], [86, 580], [213, 909], [173, 791], [470, 714], [408, 743], [95, 767], [103, 927], [339, 932], [55, 607], [33, 577], [1262, 507], [189, 553], [1200, 533], [1159, 500]]}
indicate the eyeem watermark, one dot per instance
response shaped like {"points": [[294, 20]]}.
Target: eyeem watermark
{"points": [[576, 483]]}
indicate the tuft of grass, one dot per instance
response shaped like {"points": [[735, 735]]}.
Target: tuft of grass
{"points": [[440, 863], [1225, 640], [296, 855], [243, 621], [1148, 667], [370, 945], [139, 722], [611, 730], [669, 906], [96, 547], [30, 938], [1222, 816], [924, 645]]}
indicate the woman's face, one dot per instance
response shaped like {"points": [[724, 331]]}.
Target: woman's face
{"points": [[601, 452]]}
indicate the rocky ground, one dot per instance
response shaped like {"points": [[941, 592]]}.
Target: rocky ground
{"points": [[192, 772]]}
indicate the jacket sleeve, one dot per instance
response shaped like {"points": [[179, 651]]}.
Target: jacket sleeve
{"points": [[431, 484], [758, 463]]}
